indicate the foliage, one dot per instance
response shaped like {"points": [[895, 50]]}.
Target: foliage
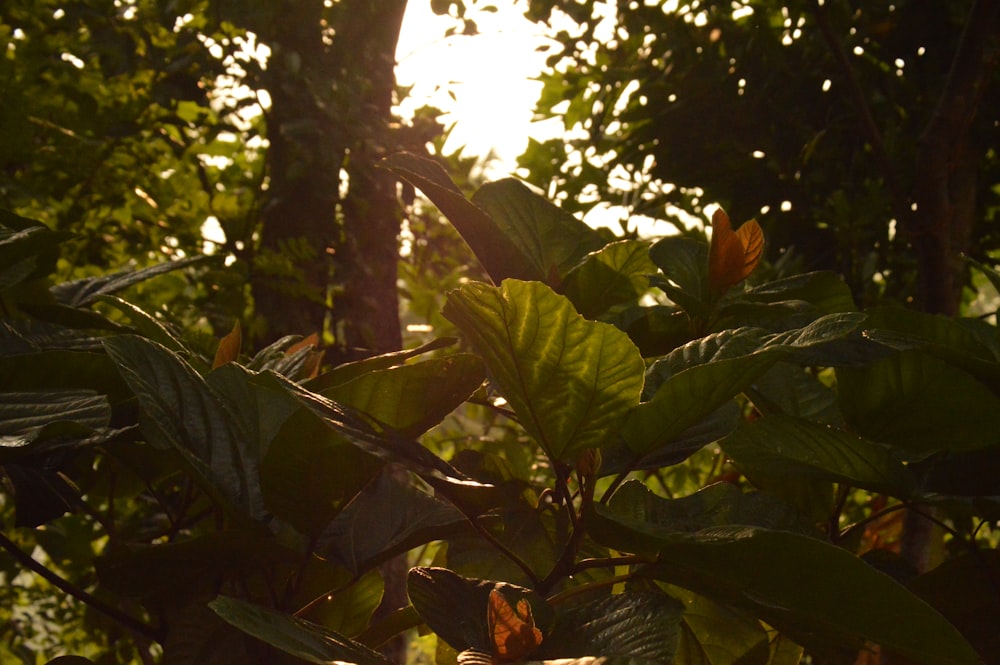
{"points": [[705, 469], [837, 123]]}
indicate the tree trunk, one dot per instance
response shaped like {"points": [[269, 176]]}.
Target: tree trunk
{"points": [[326, 263], [944, 204]]}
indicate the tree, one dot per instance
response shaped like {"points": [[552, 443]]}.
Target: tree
{"points": [[860, 133], [310, 220]]}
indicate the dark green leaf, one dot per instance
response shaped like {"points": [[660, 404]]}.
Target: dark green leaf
{"points": [[387, 517], [413, 398], [684, 263], [494, 249], [920, 404], [86, 291], [302, 639], [713, 634], [780, 445], [688, 397], [643, 625]]}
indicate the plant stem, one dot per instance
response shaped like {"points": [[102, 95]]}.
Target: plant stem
{"points": [[131, 623]]}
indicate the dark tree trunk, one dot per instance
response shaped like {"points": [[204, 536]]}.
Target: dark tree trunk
{"points": [[326, 263], [941, 223]]}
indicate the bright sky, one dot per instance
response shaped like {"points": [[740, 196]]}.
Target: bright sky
{"points": [[482, 81]]}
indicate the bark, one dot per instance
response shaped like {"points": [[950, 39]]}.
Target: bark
{"points": [[326, 263], [944, 206]]}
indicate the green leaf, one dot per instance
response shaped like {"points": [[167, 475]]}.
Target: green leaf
{"points": [[146, 324], [311, 471], [21, 238], [86, 291], [821, 595], [713, 634], [689, 396], [920, 404], [180, 411], [825, 291], [23, 415], [389, 516], [552, 239], [413, 398], [570, 381], [636, 520], [495, 250], [643, 625], [615, 274], [302, 639], [684, 263], [780, 445], [348, 371]]}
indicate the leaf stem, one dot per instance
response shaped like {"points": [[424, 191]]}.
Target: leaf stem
{"points": [[131, 623]]}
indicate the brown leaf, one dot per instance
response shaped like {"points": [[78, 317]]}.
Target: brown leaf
{"points": [[732, 255], [229, 347]]}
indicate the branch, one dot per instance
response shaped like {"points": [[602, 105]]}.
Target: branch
{"points": [[126, 620]]}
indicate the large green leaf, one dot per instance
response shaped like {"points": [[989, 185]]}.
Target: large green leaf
{"points": [[919, 403], [311, 471], [495, 250], [636, 520], [643, 625], [181, 411], [387, 517], [413, 398], [826, 291], [308, 641], [615, 274], [780, 445], [352, 370], [689, 396], [88, 290], [822, 595], [569, 380], [552, 239]]}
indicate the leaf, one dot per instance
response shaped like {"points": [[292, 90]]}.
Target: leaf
{"points": [[512, 628], [311, 471], [780, 445], [229, 347], [644, 625], [302, 639], [24, 414], [181, 411], [89, 290], [732, 256], [713, 634], [146, 324], [348, 371], [617, 273], [388, 516], [494, 249], [552, 240], [684, 264], [456, 607], [636, 520], [570, 381], [413, 398], [766, 572], [920, 404], [689, 396], [824, 290]]}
